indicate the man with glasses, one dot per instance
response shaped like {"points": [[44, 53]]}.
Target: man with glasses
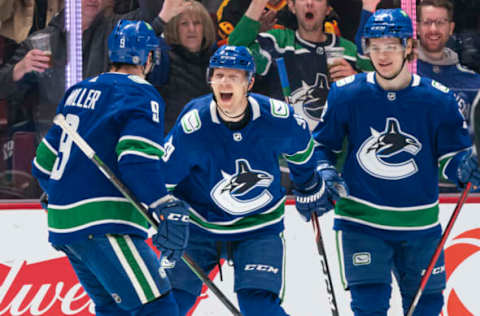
{"points": [[403, 130], [434, 27]]}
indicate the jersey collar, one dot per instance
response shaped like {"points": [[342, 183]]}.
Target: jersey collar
{"points": [[253, 103], [415, 82]]}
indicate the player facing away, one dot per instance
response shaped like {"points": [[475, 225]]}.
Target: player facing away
{"points": [[403, 131], [121, 116], [223, 160]]}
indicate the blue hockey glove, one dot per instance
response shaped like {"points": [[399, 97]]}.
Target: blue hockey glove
{"points": [[313, 198], [336, 186], [468, 170], [172, 236]]}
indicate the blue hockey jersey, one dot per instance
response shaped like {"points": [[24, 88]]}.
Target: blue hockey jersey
{"points": [[398, 144], [121, 117], [231, 178]]}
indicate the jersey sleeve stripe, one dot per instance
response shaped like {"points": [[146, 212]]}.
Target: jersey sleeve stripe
{"points": [[303, 156], [140, 146], [50, 147], [137, 153], [45, 157], [40, 168]]}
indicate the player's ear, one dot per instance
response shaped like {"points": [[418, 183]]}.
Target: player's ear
{"points": [[250, 84]]}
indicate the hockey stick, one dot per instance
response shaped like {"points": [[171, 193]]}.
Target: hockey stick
{"points": [[282, 72], [439, 248], [59, 120]]}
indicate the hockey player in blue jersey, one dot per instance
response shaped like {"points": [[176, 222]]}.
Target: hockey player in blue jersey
{"points": [[223, 160], [403, 132], [103, 235]]}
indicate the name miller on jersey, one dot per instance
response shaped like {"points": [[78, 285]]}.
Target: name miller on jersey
{"points": [[83, 98]]}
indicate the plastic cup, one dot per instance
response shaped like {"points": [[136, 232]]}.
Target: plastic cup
{"points": [[333, 55], [41, 41]]}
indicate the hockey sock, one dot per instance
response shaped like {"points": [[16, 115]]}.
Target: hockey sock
{"points": [[429, 304], [370, 299], [164, 305], [184, 300], [255, 302]]}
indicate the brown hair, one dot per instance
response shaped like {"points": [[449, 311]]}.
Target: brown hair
{"points": [[446, 4], [197, 10]]}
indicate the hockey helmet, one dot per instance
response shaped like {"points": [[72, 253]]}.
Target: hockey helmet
{"points": [[131, 41], [388, 23], [234, 57]]}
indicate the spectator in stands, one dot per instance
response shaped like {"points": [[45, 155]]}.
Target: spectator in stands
{"points": [[434, 27], [29, 71], [303, 51], [276, 15], [187, 44], [20, 18]]}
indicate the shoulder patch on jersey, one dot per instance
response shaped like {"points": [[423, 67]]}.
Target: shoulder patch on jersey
{"points": [[191, 122], [463, 68], [440, 86], [137, 79], [345, 81], [93, 79], [279, 109]]}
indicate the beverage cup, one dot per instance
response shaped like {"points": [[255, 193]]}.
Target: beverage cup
{"points": [[333, 55], [41, 41]]}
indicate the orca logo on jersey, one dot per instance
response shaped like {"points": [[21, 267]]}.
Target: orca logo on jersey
{"points": [[309, 100], [379, 146], [227, 192]]}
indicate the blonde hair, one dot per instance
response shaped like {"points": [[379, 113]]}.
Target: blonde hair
{"points": [[195, 9]]}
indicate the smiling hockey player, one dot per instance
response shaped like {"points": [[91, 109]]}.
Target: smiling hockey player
{"points": [[404, 132]]}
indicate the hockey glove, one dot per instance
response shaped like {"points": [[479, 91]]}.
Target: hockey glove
{"points": [[313, 198], [172, 236], [336, 186], [468, 170]]}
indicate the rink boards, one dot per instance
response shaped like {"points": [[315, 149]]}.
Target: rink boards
{"points": [[37, 280]]}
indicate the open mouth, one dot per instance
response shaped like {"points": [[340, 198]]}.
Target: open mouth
{"points": [[309, 16], [226, 96]]}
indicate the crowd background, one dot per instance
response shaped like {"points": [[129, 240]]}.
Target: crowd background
{"points": [[189, 32]]}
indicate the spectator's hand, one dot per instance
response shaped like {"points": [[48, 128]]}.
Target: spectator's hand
{"points": [[172, 8], [341, 70], [370, 5], [256, 9], [267, 20], [34, 60]]}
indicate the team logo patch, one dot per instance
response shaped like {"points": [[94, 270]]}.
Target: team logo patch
{"points": [[236, 193], [375, 152], [309, 100], [361, 258]]}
